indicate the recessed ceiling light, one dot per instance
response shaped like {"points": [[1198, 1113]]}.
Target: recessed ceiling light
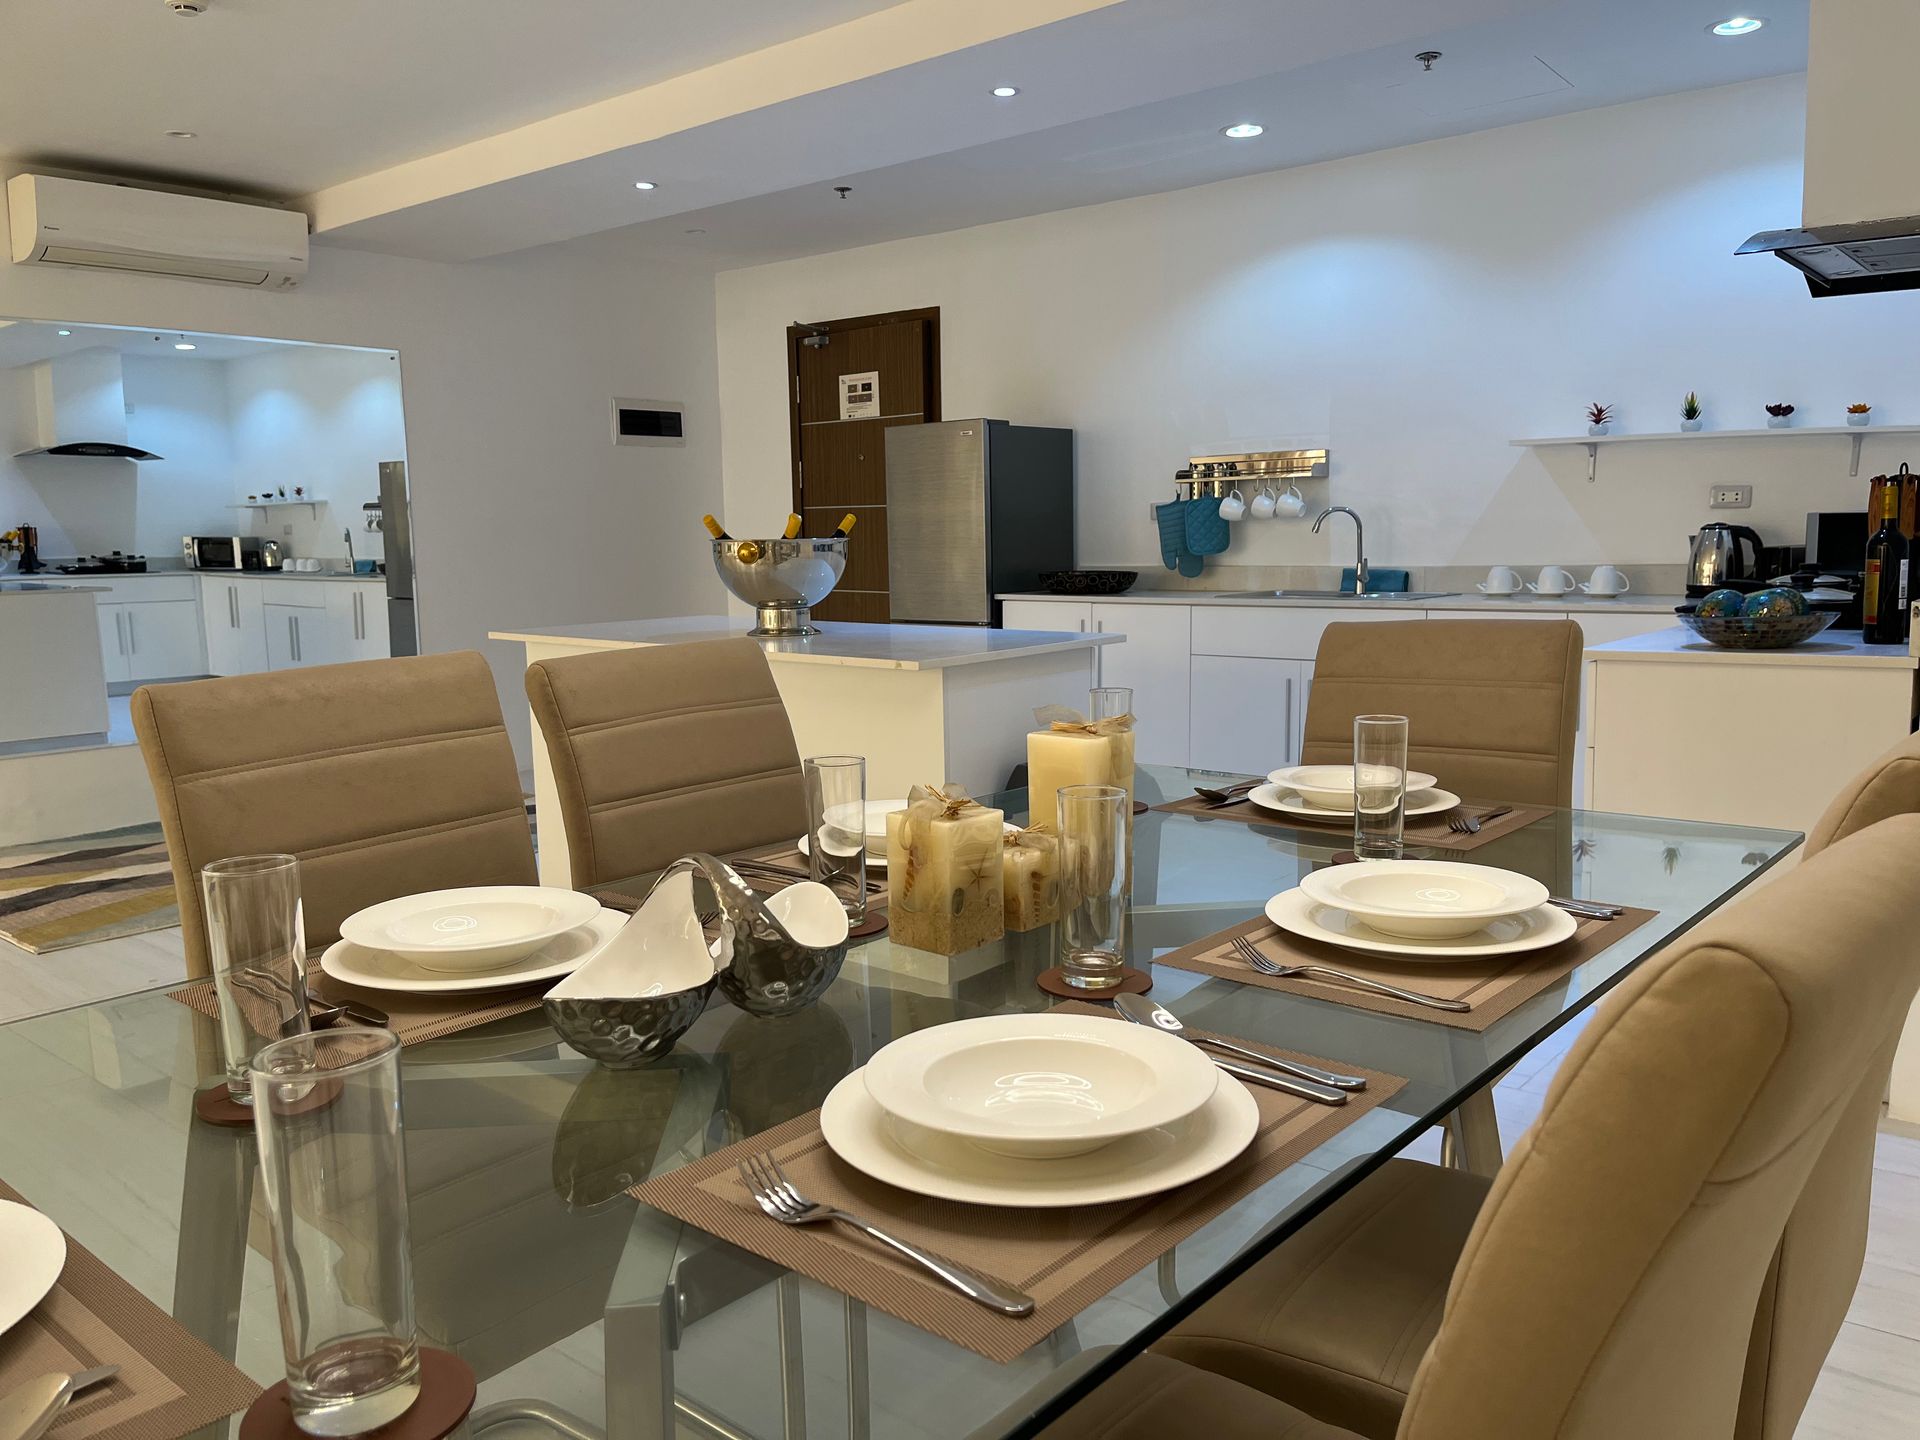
{"points": [[1245, 130], [1737, 25], [63, 332], [185, 345], [1005, 92], [644, 185], [182, 135]]}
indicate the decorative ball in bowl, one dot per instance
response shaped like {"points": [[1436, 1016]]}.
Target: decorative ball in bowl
{"points": [[781, 579], [1088, 582], [1757, 632]]}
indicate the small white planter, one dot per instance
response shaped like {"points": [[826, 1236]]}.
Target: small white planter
{"points": [[1779, 422], [1599, 429], [1690, 425], [1858, 419]]}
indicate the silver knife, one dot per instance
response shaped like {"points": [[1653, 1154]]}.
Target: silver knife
{"points": [[1143, 1011], [28, 1411], [1305, 1089]]}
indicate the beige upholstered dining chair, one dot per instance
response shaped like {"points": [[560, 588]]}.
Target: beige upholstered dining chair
{"points": [[662, 750], [1338, 1318], [1609, 1283], [1491, 704], [385, 777]]}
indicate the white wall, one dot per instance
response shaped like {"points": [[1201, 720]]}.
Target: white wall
{"points": [[322, 421], [1414, 309], [524, 511]]}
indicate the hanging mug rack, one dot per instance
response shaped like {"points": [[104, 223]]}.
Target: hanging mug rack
{"points": [[1218, 475]]}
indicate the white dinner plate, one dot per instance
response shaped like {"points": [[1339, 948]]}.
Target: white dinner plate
{"points": [[479, 927], [1331, 786], [1040, 1086], [1278, 797], [880, 859], [35, 1252], [949, 1168], [1298, 913], [1424, 899], [384, 970]]}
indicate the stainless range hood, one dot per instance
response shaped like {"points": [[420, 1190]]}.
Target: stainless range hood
{"points": [[1859, 230], [80, 407]]}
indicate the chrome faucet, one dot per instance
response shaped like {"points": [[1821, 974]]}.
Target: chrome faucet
{"points": [[1360, 576]]}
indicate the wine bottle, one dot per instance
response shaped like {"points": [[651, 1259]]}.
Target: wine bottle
{"points": [[793, 527], [715, 528], [1883, 599], [846, 525]]}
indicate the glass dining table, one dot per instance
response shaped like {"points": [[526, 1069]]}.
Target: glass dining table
{"points": [[586, 1313]]}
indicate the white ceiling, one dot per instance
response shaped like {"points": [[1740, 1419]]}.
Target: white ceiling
{"points": [[25, 342], [526, 124]]}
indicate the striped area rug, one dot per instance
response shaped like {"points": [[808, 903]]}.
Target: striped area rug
{"points": [[58, 893]]}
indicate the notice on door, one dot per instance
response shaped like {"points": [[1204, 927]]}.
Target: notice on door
{"points": [[860, 395]]}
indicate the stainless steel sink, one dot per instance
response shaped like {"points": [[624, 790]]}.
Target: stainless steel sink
{"points": [[1331, 595]]}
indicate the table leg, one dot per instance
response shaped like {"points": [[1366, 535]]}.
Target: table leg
{"points": [[793, 1362], [1472, 1139]]}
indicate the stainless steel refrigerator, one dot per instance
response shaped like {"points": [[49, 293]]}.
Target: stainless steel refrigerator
{"points": [[975, 508], [396, 527]]}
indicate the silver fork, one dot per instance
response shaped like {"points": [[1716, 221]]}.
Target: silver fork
{"points": [[775, 1194], [1243, 947], [1461, 823]]}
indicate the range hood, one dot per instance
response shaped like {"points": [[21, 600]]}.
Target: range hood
{"points": [[1859, 230], [80, 408]]}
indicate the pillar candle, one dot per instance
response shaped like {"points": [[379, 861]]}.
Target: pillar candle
{"points": [[944, 873], [1030, 878]]}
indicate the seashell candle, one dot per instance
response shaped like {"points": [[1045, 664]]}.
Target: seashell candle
{"points": [[1078, 750], [944, 886], [1030, 879]]}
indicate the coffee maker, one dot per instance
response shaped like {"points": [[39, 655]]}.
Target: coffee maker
{"points": [[30, 561]]}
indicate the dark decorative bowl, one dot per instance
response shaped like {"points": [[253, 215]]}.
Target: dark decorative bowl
{"points": [[1757, 632], [1088, 582]]}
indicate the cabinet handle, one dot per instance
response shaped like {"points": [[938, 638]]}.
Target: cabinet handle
{"points": [[133, 636], [1099, 656], [233, 605], [120, 630], [293, 640], [359, 615], [1292, 755]]}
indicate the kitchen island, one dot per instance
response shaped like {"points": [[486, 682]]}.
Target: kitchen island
{"points": [[50, 653], [923, 703]]}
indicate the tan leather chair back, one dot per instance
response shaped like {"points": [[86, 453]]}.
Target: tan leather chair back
{"points": [[662, 750], [1609, 1286], [385, 777], [1814, 1276], [1490, 704]]}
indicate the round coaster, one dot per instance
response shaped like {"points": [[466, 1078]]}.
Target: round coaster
{"points": [[874, 924], [1132, 982], [1140, 807], [446, 1395], [214, 1106]]}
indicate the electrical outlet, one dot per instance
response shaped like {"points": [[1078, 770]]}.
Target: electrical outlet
{"points": [[1729, 497]]}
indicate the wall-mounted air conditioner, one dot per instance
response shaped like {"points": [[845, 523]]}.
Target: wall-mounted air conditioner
{"points": [[90, 225]]}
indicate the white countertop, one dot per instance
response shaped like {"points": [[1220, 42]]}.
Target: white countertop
{"points": [[1677, 644], [48, 587], [1574, 603], [881, 647]]}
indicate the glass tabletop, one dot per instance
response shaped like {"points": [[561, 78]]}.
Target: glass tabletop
{"points": [[586, 1312]]}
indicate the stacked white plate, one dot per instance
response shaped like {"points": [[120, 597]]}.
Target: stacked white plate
{"points": [[34, 1253], [845, 830], [1038, 1111], [1439, 910], [485, 937], [1324, 793]]}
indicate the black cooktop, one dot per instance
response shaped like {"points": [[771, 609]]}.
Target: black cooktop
{"points": [[114, 564]]}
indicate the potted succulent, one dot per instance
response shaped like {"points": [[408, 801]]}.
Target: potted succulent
{"points": [[1690, 412], [1599, 418], [1857, 414], [1779, 417]]}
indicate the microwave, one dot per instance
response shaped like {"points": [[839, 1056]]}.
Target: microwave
{"points": [[231, 552]]}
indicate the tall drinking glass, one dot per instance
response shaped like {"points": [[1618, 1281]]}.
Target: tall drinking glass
{"points": [[1093, 866], [837, 828], [333, 1161], [1379, 786], [258, 949]]}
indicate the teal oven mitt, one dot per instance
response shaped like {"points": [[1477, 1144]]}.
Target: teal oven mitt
{"points": [[1207, 533], [1172, 520]]}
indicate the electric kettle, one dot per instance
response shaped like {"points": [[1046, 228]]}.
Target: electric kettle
{"points": [[1716, 559]]}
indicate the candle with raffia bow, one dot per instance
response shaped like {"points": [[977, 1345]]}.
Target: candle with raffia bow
{"points": [[1030, 878], [1074, 749], [944, 885]]}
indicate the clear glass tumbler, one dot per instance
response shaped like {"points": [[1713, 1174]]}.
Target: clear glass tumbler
{"points": [[1379, 786], [257, 945], [333, 1161], [1093, 865], [837, 828]]}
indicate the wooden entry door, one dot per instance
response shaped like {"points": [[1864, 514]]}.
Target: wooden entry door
{"points": [[850, 381]]}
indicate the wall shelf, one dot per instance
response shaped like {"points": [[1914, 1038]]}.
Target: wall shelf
{"points": [[312, 507], [1855, 433]]}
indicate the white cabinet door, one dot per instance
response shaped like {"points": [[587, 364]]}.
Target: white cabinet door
{"points": [[376, 638], [164, 641], [357, 621], [1046, 615], [234, 625], [1245, 714], [1155, 660], [113, 641], [299, 636]]}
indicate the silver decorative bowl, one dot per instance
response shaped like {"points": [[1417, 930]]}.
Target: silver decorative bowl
{"points": [[781, 953], [1758, 632], [624, 1033], [781, 579]]}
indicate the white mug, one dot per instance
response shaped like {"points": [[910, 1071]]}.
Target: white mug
{"points": [[1553, 581], [1262, 504], [1607, 580], [1234, 506], [1292, 504], [1501, 580]]}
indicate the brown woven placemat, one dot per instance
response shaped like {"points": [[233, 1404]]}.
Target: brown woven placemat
{"points": [[169, 1384], [1066, 1258], [1427, 830], [1494, 985], [413, 1017]]}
